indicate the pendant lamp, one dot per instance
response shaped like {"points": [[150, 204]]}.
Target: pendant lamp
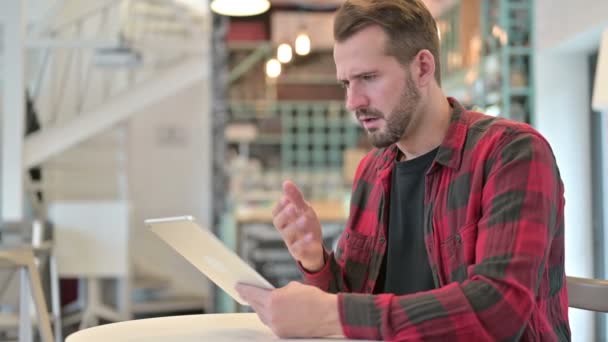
{"points": [[302, 44], [240, 8]]}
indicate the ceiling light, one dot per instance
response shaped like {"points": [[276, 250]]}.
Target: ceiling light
{"points": [[273, 68], [303, 44], [240, 8], [284, 53]]}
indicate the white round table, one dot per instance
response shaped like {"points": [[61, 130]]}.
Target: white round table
{"points": [[206, 327]]}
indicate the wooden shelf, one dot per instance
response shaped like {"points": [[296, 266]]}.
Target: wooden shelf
{"points": [[327, 211]]}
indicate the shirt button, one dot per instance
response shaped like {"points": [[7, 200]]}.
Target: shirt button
{"points": [[458, 238], [382, 240]]}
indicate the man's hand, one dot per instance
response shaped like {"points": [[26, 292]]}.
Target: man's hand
{"points": [[295, 310], [299, 227]]}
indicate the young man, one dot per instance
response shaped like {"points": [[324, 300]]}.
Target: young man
{"points": [[456, 228]]}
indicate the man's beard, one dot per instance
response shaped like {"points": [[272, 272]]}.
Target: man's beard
{"points": [[398, 120]]}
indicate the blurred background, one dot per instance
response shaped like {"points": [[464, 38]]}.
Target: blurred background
{"points": [[115, 111]]}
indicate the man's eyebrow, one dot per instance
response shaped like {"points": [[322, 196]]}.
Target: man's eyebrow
{"points": [[356, 76]]}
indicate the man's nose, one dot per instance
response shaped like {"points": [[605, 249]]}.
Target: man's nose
{"points": [[356, 99]]}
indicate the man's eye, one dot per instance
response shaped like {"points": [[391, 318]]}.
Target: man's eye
{"points": [[368, 77]]}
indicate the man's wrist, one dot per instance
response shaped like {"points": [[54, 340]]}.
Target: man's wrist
{"points": [[314, 266], [331, 325]]}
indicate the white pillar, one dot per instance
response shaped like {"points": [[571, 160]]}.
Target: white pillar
{"points": [[604, 168], [562, 115], [13, 108]]}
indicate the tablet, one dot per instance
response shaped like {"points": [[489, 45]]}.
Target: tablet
{"points": [[207, 253]]}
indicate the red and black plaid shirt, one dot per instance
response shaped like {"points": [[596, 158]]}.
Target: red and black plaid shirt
{"points": [[494, 233]]}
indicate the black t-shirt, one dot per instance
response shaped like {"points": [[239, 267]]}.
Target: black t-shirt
{"points": [[406, 263]]}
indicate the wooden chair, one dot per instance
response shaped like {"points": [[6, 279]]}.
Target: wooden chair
{"points": [[23, 259], [588, 294]]}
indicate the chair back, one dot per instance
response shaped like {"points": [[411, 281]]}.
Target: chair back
{"points": [[588, 294]]}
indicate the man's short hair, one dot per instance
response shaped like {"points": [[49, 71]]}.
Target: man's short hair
{"points": [[409, 25]]}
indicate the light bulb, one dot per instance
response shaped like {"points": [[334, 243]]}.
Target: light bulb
{"points": [[273, 68], [239, 8], [284, 53], [302, 44]]}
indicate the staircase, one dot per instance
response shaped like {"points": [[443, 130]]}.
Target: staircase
{"points": [[96, 64]]}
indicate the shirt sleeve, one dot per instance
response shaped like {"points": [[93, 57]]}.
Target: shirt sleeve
{"points": [[522, 207], [324, 279], [331, 278]]}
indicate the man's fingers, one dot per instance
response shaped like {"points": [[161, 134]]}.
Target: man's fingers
{"points": [[280, 205], [256, 297], [294, 230], [294, 195], [249, 296], [252, 293], [285, 217], [258, 307], [261, 312]]}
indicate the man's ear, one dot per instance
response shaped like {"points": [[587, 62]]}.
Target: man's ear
{"points": [[423, 68]]}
